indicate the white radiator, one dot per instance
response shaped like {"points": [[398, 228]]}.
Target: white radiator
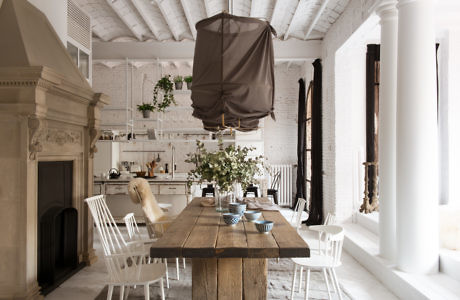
{"points": [[285, 186]]}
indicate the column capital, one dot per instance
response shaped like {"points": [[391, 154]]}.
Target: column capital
{"points": [[387, 9]]}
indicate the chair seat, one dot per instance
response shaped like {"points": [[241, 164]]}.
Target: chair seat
{"points": [[149, 273], [287, 213], [316, 262]]}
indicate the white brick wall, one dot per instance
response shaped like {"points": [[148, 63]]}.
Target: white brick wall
{"points": [[280, 137], [339, 117]]}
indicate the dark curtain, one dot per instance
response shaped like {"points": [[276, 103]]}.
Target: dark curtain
{"points": [[437, 78], [316, 205], [301, 143], [372, 109]]}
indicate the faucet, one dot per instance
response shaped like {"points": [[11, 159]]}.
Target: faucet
{"points": [[173, 160]]}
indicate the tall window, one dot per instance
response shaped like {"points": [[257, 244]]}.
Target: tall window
{"points": [[372, 112], [308, 148]]}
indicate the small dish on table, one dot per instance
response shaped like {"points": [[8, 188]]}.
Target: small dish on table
{"points": [[264, 226], [236, 208], [231, 219], [252, 215]]}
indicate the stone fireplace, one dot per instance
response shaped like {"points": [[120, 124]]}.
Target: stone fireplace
{"points": [[48, 113], [57, 234]]}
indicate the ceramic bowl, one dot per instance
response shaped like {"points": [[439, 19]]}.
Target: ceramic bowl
{"points": [[252, 215], [264, 226], [231, 219], [236, 208]]}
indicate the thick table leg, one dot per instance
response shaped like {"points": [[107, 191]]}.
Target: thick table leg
{"points": [[229, 278], [255, 278], [204, 278]]}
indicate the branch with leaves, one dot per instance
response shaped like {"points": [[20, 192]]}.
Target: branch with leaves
{"points": [[225, 166]]}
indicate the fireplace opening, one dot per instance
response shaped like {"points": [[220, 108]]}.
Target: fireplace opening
{"points": [[57, 225]]}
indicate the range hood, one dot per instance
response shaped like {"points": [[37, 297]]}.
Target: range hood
{"points": [[27, 39]]}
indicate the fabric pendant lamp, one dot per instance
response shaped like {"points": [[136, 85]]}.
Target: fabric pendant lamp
{"points": [[233, 72]]}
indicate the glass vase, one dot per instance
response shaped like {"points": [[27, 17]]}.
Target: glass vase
{"points": [[237, 191], [222, 199]]}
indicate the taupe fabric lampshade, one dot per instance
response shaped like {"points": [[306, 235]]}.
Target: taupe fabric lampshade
{"points": [[233, 72]]}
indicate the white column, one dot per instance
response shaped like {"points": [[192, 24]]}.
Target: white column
{"points": [[387, 128], [417, 172]]}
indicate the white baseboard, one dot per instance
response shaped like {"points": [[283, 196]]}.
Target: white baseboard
{"points": [[449, 263], [362, 244]]}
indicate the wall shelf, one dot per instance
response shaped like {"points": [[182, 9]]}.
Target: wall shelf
{"points": [[179, 108], [115, 124], [182, 92], [148, 120], [122, 108]]}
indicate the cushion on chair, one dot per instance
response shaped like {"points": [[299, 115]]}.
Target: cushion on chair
{"points": [[140, 192]]}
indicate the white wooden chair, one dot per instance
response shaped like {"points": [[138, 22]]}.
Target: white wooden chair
{"points": [[130, 269], [125, 261], [296, 219], [134, 234], [111, 238], [296, 215], [326, 261], [314, 234], [156, 230]]}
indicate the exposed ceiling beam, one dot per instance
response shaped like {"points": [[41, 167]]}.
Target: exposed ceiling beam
{"points": [[241, 7], [142, 12], [262, 9], [167, 19], [97, 35], [292, 48], [207, 7], [288, 31], [316, 18], [188, 15], [186, 61], [283, 10], [123, 19]]}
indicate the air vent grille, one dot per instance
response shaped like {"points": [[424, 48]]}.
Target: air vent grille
{"points": [[78, 25]]}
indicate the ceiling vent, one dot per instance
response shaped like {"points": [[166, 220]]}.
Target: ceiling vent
{"points": [[78, 25]]}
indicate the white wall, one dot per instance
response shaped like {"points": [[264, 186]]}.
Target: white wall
{"points": [[56, 12], [280, 136], [342, 132], [449, 64], [350, 81]]}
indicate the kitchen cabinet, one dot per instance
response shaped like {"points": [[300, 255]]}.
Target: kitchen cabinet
{"points": [[116, 189], [169, 191], [172, 189]]}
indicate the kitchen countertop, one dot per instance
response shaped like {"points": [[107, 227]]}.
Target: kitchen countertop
{"points": [[178, 179]]}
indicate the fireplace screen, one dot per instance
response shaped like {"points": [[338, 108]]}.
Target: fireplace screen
{"points": [[233, 72]]}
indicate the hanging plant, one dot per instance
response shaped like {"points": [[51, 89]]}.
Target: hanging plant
{"points": [[163, 95]]}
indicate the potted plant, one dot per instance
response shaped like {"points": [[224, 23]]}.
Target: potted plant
{"points": [[225, 167], [178, 82], [145, 108], [188, 80], [163, 95]]}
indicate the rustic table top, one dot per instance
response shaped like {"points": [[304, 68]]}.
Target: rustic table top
{"points": [[201, 232]]}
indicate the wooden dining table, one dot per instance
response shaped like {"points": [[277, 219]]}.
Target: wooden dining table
{"points": [[228, 262]]}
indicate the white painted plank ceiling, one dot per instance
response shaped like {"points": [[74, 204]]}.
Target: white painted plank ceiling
{"points": [[162, 20]]}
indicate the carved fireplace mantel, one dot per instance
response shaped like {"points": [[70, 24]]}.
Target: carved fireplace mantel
{"points": [[48, 112]]}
